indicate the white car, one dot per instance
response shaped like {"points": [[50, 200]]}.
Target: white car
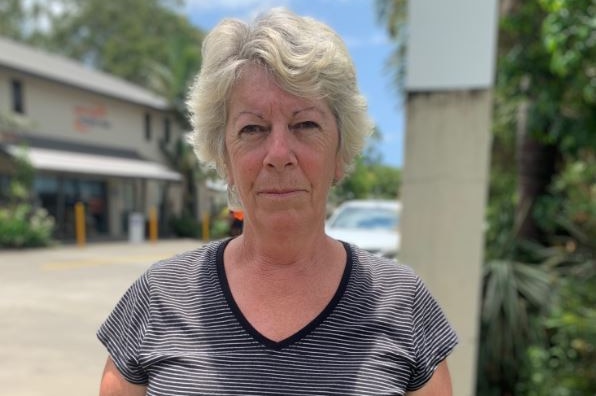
{"points": [[369, 224]]}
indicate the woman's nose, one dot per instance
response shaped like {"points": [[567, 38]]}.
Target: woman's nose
{"points": [[280, 151]]}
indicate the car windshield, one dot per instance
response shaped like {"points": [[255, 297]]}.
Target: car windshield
{"points": [[366, 218]]}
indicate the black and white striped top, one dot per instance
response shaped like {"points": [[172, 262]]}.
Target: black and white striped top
{"points": [[178, 330]]}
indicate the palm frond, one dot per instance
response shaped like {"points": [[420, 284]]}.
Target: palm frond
{"points": [[513, 293]]}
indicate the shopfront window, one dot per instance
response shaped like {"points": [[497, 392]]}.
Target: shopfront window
{"points": [[47, 191], [94, 195], [58, 195], [128, 202]]}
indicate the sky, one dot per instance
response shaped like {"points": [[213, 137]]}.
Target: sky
{"points": [[369, 45]]}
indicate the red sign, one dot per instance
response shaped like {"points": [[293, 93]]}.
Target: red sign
{"points": [[91, 117]]}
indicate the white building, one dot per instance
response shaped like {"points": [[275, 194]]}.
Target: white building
{"points": [[90, 136]]}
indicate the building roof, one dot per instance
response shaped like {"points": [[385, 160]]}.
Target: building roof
{"points": [[57, 68], [93, 164], [66, 156]]}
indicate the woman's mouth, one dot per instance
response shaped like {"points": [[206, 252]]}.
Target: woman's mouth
{"points": [[281, 193]]}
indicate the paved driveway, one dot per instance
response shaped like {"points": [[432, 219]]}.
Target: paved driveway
{"points": [[51, 303]]}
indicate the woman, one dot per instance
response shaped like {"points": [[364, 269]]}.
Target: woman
{"points": [[281, 309]]}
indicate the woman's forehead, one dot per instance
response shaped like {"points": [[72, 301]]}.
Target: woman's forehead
{"points": [[257, 88]]}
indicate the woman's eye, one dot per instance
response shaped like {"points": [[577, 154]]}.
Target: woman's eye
{"points": [[250, 129], [306, 125]]}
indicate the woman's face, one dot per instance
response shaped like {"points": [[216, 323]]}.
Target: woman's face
{"points": [[282, 152]]}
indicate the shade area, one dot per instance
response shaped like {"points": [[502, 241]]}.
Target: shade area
{"points": [[84, 163]]}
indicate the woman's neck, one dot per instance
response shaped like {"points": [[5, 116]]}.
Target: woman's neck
{"points": [[277, 249], [262, 268]]}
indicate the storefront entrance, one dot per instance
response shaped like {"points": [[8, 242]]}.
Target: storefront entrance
{"points": [[59, 194]]}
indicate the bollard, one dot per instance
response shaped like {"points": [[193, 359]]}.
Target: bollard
{"points": [[205, 226], [153, 224], [80, 224]]}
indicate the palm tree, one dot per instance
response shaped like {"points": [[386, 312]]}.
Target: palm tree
{"points": [[171, 80]]}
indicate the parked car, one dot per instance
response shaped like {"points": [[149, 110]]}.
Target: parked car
{"points": [[369, 224]]}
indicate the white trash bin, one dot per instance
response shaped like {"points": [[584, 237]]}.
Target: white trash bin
{"points": [[136, 227]]}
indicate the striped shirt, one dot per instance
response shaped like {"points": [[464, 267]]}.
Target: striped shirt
{"points": [[178, 330]]}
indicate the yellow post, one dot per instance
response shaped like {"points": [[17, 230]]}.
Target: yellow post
{"points": [[153, 224], [205, 226], [80, 224]]}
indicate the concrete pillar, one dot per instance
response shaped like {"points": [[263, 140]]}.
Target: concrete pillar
{"points": [[444, 191]]}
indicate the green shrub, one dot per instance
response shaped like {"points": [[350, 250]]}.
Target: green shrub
{"points": [[565, 366], [186, 226], [220, 228], [24, 226]]}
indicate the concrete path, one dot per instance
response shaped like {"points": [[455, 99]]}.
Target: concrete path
{"points": [[51, 303]]}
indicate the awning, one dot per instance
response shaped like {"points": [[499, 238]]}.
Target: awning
{"points": [[93, 164]]}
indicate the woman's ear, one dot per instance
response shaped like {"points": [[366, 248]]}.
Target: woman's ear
{"points": [[339, 170]]}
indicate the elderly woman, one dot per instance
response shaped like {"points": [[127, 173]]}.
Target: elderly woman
{"points": [[281, 309]]}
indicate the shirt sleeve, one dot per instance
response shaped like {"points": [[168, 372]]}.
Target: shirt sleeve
{"points": [[123, 331], [434, 338]]}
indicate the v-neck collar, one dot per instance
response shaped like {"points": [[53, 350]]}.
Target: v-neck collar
{"points": [[300, 334]]}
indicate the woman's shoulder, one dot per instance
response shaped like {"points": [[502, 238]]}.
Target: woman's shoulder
{"points": [[383, 272], [187, 263], [381, 265]]}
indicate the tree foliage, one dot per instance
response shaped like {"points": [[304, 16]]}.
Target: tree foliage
{"points": [[393, 14], [23, 224], [126, 38], [27, 21], [547, 56], [564, 366], [542, 169], [11, 18], [369, 178], [545, 93]]}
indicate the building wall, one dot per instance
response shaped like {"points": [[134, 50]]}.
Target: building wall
{"points": [[63, 112]]}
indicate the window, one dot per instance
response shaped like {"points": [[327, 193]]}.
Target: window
{"points": [[166, 130], [18, 105], [147, 126]]}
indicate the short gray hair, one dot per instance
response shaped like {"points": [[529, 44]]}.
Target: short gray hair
{"points": [[307, 58]]}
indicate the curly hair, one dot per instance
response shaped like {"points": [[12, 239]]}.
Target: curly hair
{"points": [[307, 59]]}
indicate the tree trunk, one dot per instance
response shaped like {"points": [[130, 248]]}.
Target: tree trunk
{"points": [[535, 169]]}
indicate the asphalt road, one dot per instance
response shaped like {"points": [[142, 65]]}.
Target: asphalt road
{"points": [[51, 303]]}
